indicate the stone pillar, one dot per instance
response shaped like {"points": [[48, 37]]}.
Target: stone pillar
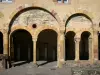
{"points": [[34, 51], [9, 45], [5, 48], [77, 43], [58, 52], [9, 56], [62, 48], [90, 49], [95, 45], [58, 55], [5, 44]]}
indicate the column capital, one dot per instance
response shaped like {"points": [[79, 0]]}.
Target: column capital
{"points": [[77, 39], [34, 39], [61, 31]]}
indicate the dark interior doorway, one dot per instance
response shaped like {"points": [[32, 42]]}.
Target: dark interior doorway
{"points": [[47, 46], [99, 46], [1, 43], [21, 46], [84, 46], [69, 46]]}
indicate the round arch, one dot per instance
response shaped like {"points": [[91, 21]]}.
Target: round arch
{"points": [[70, 45], [20, 28], [45, 27], [54, 13], [78, 14], [17, 13], [47, 45], [21, 46], [84, 45]]}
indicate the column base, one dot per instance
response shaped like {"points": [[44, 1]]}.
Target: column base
{"points": [[59, 64], [76, 59], [35, 65]]}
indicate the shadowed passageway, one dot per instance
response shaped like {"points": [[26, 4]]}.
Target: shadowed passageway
{"points": [[21, 46]]}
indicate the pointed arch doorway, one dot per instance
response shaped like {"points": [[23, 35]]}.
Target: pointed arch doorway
{"points": [[21, 46]]}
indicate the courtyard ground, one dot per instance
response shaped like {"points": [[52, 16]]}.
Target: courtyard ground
{"points": [[51, 69]]}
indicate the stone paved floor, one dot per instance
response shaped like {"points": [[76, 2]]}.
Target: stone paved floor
{"points": [[86, 71], [51, 69], [28, 69]]}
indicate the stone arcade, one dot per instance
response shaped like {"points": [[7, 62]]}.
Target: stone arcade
{"points": [[37, 31]]}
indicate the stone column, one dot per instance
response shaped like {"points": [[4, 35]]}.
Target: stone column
{"points": [[9, 54], [5, 48], [95, 45], [5, 44], [9, 44], [34, 51], [77, 43], [62, 48], [58, 55], [58, 52], [90, 48]]}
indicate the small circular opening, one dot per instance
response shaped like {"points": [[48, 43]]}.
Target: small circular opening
{"points": [[34, 25]]}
